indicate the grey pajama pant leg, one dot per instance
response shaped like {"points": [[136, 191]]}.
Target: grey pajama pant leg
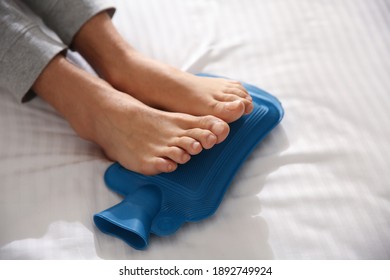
{"points": [[33, 32], [65, 17]]}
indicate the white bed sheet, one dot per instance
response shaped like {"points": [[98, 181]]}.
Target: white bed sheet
{"points": [[317, 188]]}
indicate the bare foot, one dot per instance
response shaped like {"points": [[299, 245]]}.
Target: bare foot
{"points": [[167, 88], [151, 141], [154, 83], [141, 138]]}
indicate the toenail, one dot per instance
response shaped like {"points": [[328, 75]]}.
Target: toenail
{"points": [[249, 109], [169, 167], [211, 139], [196, 146], [218, 128], [248, 97], [186, 157]]}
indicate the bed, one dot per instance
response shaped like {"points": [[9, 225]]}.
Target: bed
{"points": [[318, 187]]}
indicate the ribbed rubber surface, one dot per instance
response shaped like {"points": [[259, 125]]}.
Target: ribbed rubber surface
{"points": [[195, 190]]}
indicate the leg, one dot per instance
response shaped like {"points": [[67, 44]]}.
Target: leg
{"points": [[154, 83], [141, 138]]}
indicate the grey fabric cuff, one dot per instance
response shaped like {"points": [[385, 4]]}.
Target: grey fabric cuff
{"points": [[25, 60], [26, 47], [66, 17]]}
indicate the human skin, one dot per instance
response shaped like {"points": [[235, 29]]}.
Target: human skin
{"points": [[146, 115], [154, 83], [141, 138]]}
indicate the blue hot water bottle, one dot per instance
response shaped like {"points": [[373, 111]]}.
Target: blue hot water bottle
{"points": [[160, 204]]}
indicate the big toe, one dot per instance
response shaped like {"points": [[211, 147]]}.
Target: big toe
{"points": [[230, 111]]}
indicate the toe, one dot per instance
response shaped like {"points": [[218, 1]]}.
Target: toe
{"points": [[249, 108], [211, 140], [230, 111], [221, 130], [163, 165], [232, 95], [176, 154], [190, 145], [203, 136], [153, 166], [238, 91], [234, 82], [234, 106], [196, 148], [218, 127], [237, 84]]}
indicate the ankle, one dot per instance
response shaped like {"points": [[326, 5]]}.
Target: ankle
{"points": [[115, 70], [100, 44], [77, 96]]}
